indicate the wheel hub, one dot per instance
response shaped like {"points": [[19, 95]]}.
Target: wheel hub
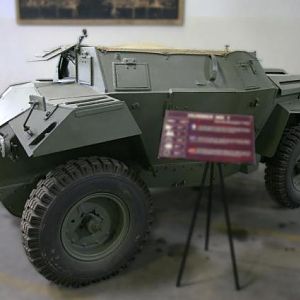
{"points": [[95, 226]]}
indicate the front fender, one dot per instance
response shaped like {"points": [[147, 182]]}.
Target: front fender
{"points": [[270, 136]]}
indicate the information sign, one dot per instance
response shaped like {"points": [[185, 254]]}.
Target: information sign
{"points": [[208, 137]]}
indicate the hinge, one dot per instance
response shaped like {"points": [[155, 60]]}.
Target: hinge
{"points": [[129, 61]]}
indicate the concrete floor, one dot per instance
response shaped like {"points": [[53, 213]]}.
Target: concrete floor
{"points": [[267, 240]]}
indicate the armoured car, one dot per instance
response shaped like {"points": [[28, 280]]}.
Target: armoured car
{"points": [[79, 152]]}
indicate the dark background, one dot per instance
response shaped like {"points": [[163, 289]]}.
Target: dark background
{"points": [[97, 9]]}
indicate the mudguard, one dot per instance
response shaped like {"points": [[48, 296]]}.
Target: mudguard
{"points": [[73, 124], [270, 136]]}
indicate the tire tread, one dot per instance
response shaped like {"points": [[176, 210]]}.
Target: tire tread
{"points": [[277, 168], [45, 193]]}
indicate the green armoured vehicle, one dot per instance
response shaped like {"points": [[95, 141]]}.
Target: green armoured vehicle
{"points": [[79, 152]]}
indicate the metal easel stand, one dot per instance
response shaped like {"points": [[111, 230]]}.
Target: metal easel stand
{"points": [[208, 221]]}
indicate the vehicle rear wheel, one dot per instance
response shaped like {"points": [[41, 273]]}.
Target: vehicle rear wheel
{"points": [[282, 174], [85, 221]]}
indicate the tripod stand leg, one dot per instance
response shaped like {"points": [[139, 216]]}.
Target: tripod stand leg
{"points": [[229, 231], [209, 206], [192, 227]]}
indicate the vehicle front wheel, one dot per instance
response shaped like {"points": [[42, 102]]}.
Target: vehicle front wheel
{"points": [[282, 174], [85, 221]]}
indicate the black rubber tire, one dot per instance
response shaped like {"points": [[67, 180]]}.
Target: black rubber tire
{"points": [[278, 172], [47, 206]]}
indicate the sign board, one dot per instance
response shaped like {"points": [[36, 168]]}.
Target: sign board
{"points": [[208, 137]]}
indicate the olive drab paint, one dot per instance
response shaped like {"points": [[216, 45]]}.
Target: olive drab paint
{"points": [[112, 101]]}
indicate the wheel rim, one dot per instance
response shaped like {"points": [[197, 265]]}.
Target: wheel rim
{"points": [[296, 175], [95, 226]]}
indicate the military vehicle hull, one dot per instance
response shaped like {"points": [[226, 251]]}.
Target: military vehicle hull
{"points": [[80, 152]]}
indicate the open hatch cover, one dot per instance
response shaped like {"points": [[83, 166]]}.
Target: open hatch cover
{"points": [[52, 53]]}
